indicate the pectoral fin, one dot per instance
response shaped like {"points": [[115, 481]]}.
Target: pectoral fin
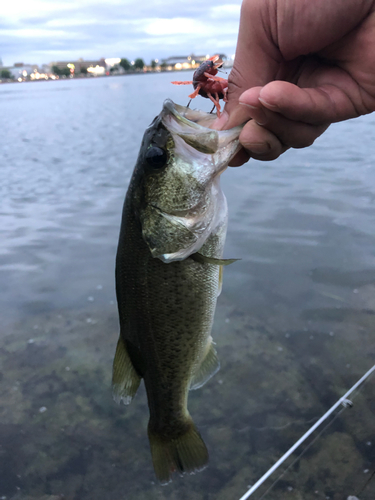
{"points": [[203, 259], [125, 379], [207, 369]]}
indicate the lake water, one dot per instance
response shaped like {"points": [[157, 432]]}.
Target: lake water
{"points": [[294, 325]]}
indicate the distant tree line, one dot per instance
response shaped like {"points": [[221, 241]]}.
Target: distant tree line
{"points": [[139, 64], [6, 74], [66, 71], [154, 63], [60, 71]]}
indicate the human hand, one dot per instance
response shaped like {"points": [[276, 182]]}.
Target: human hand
{"points": [[299, 66]]}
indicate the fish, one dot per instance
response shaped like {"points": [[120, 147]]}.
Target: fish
{"points": [[168, 277]]}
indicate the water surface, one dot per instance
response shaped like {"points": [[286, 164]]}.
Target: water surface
{"points": [[294, 325]]}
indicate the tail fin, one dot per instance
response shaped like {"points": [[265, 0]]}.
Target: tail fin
{"points": [[186, 453]]}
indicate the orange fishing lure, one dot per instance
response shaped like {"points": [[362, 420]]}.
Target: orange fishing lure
{"points": [[207, 84]]}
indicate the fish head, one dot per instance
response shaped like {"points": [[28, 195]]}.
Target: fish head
{"points": [[179, 200]]}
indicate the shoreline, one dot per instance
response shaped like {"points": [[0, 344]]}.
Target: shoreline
{"points": [[96, 76]]}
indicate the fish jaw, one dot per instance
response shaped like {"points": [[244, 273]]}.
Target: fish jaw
{"points": [[193, 127], [185, 202]]}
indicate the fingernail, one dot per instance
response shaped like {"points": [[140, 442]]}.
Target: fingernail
{"points": [[248, 105], [257, 114], [267, 104]]}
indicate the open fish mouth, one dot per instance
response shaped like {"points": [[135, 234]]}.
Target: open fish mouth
{"points": [[192, 117], [193, 126]]}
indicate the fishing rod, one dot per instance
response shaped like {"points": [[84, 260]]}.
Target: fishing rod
{"points": [[303, 452], [344, 401]]}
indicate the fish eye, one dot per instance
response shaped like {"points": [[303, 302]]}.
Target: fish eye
{"points": [[156, 157]]}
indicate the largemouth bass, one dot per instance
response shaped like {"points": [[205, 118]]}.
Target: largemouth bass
{"points": [[168, 269]]}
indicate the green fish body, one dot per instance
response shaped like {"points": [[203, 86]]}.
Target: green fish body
{"points": [[168, 269]]}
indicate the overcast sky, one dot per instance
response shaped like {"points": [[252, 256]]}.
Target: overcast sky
{"points": [[41, 31]]}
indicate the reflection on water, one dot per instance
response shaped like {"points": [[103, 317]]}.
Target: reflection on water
{"points": [[294, 325]]}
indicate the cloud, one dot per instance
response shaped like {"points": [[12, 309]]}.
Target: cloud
{"points": [[27, 33], [225, 11], [175, 26], [31, 30], [69, 22], [31, 8]]}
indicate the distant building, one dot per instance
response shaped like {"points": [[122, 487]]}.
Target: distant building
{"points": [[187, 62], [97, 66], [45, 68], [21, 70], [173, 60], [183, 62]]}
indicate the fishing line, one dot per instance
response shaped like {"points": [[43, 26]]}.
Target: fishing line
{"points": [[303, 452], [346, 404], [343, 400], [366, 483]]}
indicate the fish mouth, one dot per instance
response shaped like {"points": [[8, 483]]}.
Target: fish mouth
{"points": [[194, 118], [193, 126]]}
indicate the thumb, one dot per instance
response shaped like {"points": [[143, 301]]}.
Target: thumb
{"points": [[256, 62]]}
